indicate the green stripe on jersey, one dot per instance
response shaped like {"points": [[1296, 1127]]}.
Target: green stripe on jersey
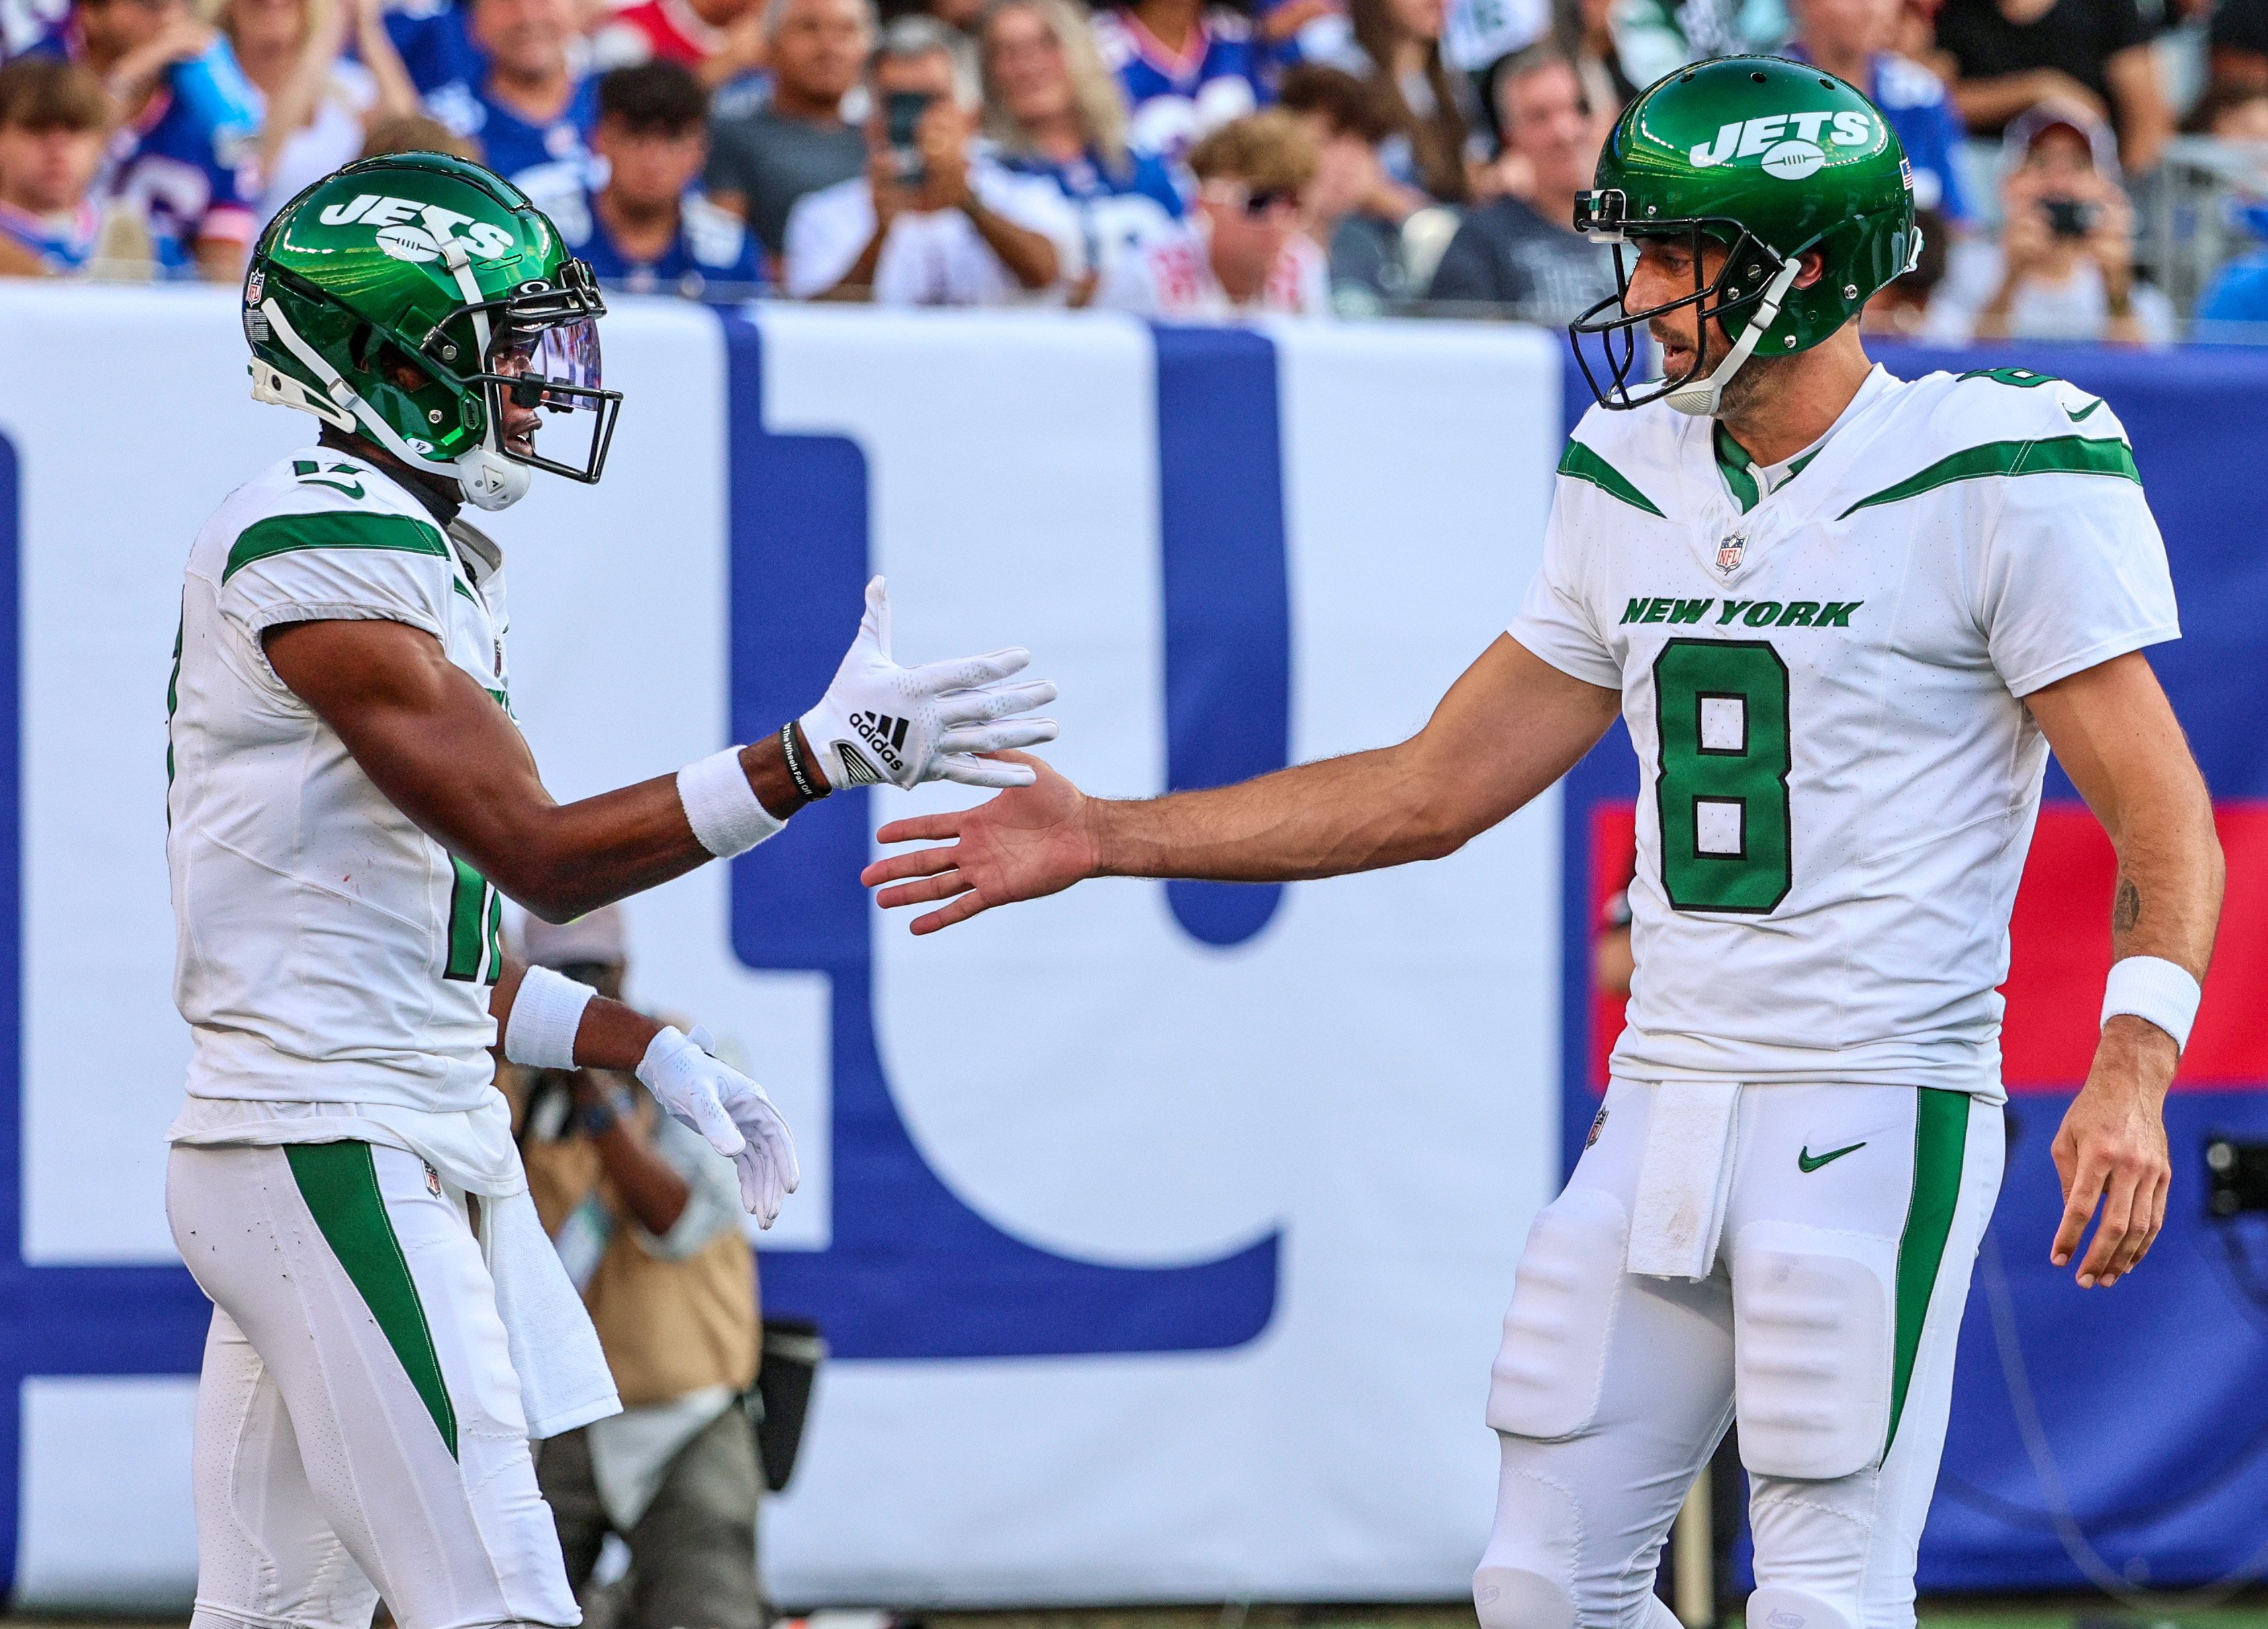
{"points": [[1941, 1144], [335, 528], [1584, 465], [339, 1181], [2056, 456]]}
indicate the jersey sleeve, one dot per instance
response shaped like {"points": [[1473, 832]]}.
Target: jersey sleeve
{"points": [[1554, 619], [338, 566], [2074, 574]]}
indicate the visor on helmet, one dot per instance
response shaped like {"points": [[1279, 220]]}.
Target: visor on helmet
{"points": [[543, 360]]}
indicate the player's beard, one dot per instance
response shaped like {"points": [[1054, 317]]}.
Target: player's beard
{"points": [[1744, 390]]}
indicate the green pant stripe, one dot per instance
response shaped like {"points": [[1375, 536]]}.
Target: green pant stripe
{"points": [[339, 1181], [1940, 1143]]}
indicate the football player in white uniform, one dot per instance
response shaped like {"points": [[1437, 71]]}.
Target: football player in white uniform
{"points": [[1845, 619], [350, 801]]}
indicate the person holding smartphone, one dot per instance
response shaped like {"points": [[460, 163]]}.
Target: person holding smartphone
{"points": [[933, 221], [2064, 268]]}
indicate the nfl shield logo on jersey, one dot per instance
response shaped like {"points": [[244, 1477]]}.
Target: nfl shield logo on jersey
{"points": [[1729, 552]]}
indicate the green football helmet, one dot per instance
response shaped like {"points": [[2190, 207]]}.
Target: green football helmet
{"points": [[427, 260], [1769, 158]]}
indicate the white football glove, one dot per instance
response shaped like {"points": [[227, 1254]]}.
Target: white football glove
{"points": [[881, 722], [728, 1109]]}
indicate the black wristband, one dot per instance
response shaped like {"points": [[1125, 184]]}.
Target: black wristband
{"points": [[796, 770]]}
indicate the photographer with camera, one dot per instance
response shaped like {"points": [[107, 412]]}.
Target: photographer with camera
{"points": [[2064, 268], [646, 1217], [934, 221]]}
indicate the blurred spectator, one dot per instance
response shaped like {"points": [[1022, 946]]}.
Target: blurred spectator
{"points": [[1851, 38], [719, 39], [2231, 111], [1052, 110], [25, 23], [1900, 309], [1522, 253], [1655, 37], [651, 227], [1291, 33], [1241, 253], [418, 132], [2003, 56], [184, 164], [2237, 46], [932, 222], [531, 109], [646, 1217], [1186, 69], [1606, 85], [54, 118], [761, 164], [2064, 268], [1354, 209], [2234, 111], [434, 39], [319, 104], [1425, 145]]}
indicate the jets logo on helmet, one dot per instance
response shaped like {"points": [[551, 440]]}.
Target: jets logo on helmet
{"points": [[436, 226], [1754, 163], [1761, 138], [423, 304]]}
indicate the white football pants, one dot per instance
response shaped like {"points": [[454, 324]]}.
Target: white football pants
{"points": [[359, 1430], [1827, 1325]]}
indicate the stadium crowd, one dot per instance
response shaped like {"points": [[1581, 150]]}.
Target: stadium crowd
{"points": [[2085, 169]]}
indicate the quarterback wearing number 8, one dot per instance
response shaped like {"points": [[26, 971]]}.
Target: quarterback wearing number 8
{"points": [[349, 803], [1844, 619]]}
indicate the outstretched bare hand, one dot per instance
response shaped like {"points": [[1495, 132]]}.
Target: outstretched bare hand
{"points": [[1026, 844]]}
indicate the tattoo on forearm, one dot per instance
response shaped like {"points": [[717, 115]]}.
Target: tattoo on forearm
{"points": [[2126, 908]]}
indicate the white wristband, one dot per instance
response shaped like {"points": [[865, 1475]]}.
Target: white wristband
{"points": [[722, 807], [545, 1015], [2154, 987]]}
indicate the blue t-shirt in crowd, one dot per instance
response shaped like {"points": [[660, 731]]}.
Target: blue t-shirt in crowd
{"points": [[2238, 294], [1118, 206], [186, 165], [713, 253], [63, 243], [1175, 99], [550, 162], [435, 41], [1927, 126]]}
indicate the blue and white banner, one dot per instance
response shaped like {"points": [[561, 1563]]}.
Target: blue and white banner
{"points": [[1161, 1232]]}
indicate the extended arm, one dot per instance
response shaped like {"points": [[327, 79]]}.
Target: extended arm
{"points": [[2116, 736], [1510, 726], [449, 758]]}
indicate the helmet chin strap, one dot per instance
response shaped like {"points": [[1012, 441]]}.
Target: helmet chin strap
{"points": [[1702, 396], [487, 479]]}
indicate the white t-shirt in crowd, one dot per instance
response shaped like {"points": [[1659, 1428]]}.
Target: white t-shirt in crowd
{"points": [[1172, 276], [1821, 676], [934, 258], [2078, 308]]}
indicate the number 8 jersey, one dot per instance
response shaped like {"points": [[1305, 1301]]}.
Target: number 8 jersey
{"points": [[1821, 666], [327, 949]]}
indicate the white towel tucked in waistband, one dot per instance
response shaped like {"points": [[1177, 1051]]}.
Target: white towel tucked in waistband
{"points": [[563, 1379], [1683, 1180]]}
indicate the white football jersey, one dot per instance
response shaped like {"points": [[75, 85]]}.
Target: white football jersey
{"points": [[1821, 668], [327, 949]]}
